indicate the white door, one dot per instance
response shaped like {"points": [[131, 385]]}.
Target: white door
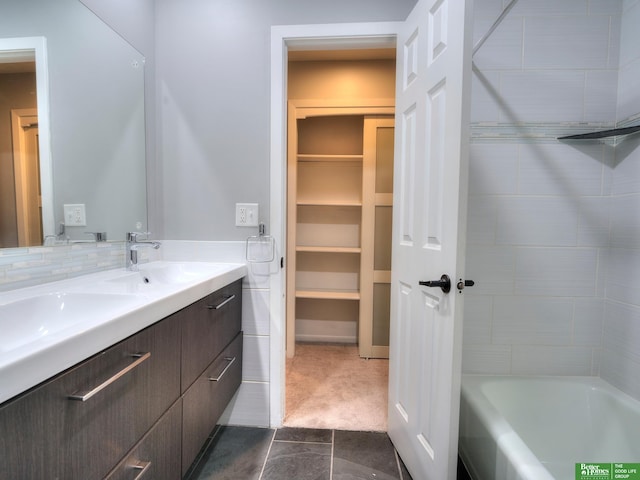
{"points": [[431, 152]]}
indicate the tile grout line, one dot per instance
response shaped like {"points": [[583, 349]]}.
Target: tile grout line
{"points": [[203, 451], [266, 458], [400, 475], [333, 442], [307, 443]]}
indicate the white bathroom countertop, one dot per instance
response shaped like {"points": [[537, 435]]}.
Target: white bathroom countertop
{"points": [[48, 328]]}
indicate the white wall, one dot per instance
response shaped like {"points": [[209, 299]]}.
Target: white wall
{"points": [[213, 103], [538, 233]]}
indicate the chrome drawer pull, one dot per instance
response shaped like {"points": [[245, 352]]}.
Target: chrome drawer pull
{"points": [[226, 300], [219, 377], [143, 467], [84, 395]]}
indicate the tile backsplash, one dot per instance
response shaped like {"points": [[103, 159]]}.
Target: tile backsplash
{"points": [[25, 267]]}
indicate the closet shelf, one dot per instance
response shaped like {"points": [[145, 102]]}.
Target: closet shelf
{"points": [[319, 249], [306, 157], [329, 203], [329, 294], [615, 132]]}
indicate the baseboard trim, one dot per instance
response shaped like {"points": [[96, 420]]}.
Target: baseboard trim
{"points": [[326, 338]]}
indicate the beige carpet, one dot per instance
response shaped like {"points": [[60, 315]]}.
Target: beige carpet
{"points": [[330, 386]]}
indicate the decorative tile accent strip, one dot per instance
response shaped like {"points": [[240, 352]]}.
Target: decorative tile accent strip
{"points": [[29, 266], [532, 132]]}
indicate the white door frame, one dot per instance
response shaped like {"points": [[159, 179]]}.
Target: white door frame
{"points": [[339, 36], [35, 48], [22, 159]]}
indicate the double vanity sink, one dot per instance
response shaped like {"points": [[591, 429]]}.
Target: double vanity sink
{"points": [[49, 328]]}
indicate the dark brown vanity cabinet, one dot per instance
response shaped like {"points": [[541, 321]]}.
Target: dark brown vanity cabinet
{"points": [[211, 365], [157, 455], [123, 413], [207, 398], [213, 322]]}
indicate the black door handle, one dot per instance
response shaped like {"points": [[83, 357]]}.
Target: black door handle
{"points": [[465, 283], [444, 283]]}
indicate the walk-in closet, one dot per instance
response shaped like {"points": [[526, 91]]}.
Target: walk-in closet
{"points": [[340, 198]]}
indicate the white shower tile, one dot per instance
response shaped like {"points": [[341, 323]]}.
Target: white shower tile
{"points": [[493, 169], [503, 49], [550, 7], [541, 221], [255, 312], [621, 372], [628, 92], [623, 275], [484, 9], [625, 221], [626, 173], [622, 331], [492, 268], [255, 359], [547, 44], [630, 35], [481, 219], [540, 360], [522, 320], [594, 222], [627, 4], [614, 42], [620, 363], [604, 256], [596, 362], [605, 7], [609, 161], [542, 96], [601, 96], [561, 272], [486, 359], [485, 96], [587, 321], [560, 170], [478, 311]]}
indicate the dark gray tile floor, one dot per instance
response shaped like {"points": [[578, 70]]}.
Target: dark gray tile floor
{"points": [[243, 453]]}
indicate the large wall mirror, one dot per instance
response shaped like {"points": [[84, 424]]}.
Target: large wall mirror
{"points": [[71, 126]]}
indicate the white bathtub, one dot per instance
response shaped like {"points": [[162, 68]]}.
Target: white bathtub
{"points": [[538, 428]]}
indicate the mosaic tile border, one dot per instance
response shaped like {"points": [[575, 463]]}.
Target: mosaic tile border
{"points": [[29, 266], [491, 132]]}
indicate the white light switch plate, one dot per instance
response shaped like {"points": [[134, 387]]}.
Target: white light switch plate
{"points": [[75, 215], [246, 214]]}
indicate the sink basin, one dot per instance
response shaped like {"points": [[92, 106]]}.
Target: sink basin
{"points": [[35, 318], [172, 273]]}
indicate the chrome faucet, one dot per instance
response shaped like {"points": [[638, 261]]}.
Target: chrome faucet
{"points": [[133, 245]]}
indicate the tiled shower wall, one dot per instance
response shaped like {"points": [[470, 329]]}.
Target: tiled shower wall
{"points": [[621, 335], [539, 209]]}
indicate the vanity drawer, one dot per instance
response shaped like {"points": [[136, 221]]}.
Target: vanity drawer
{"points": [[208, 326], [51, 432], [157, 455], [206, 399]]}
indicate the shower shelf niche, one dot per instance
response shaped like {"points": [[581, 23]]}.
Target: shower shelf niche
{"points": [[601, 134]]}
